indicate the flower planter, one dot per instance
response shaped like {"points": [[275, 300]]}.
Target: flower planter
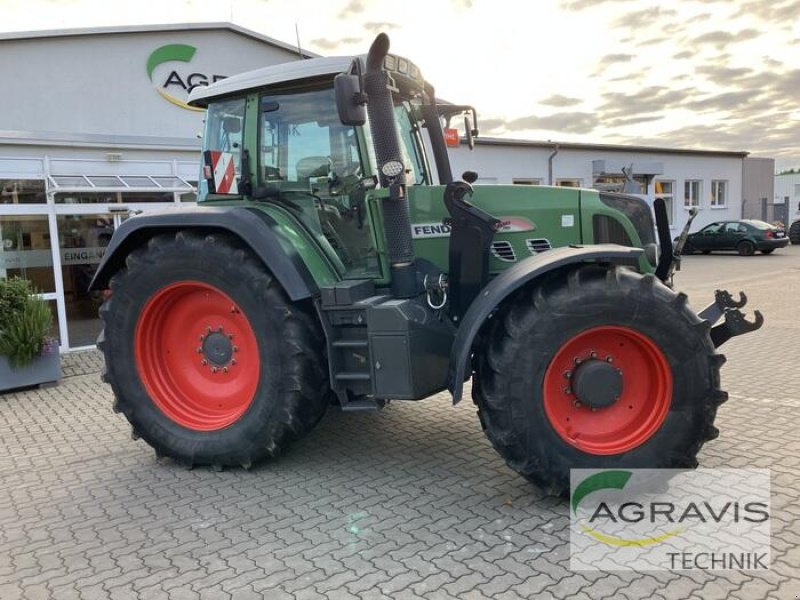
{"points": [[43, 369]]}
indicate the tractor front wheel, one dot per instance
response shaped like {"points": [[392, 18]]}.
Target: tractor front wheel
{"points": [[207, 357], [597, 367]]}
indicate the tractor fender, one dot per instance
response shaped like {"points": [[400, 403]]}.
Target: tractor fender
{"points": [[511, 280], [255, 228]]}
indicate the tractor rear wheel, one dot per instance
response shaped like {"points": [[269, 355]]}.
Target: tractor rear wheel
{"points": [[597, 367], [208, 359]]}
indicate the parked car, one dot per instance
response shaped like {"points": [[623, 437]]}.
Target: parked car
{"points": [[745, 236]]}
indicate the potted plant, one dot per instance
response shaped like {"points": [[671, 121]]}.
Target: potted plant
{"points": [[28, 356]]}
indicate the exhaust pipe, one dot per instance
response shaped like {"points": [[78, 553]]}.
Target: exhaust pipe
{"points": [[392, 171]]}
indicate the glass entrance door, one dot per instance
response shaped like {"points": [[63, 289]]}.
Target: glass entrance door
{"points": [[82, 242]]}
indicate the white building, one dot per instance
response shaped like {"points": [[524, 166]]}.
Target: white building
{"points": [[94, 125], [787, 197], [712, 182]]}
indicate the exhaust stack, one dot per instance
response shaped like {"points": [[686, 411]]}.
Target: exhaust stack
{"points": [[386, 142]]}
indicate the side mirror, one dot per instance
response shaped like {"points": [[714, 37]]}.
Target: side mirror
{"points": [[350, 100], [468, 133]]}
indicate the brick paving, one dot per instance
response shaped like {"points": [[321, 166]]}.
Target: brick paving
{"points": [[411, 502]]}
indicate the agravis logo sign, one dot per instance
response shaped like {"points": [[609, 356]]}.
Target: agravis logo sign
{"points": [[612, 480], [177, 82], [650, 519]]}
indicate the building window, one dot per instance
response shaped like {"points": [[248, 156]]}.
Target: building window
{"points": [[665, 191], [691, 193], [568, 182], [719, 194], [526, 181], [22, 191]]}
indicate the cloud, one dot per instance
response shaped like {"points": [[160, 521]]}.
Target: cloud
{"points": [[723, 38], [643, 18], [649, 100], [380, 26], [725, 102], [566, 122], [614, 59], [626, 121], [774, 11], [721, 73], [652, 42], [354, 7], [328, 45], [583, 4], [683, 54], [560, 101]]}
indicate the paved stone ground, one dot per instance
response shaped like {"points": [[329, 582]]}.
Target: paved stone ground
{"points": [[410, 502]]}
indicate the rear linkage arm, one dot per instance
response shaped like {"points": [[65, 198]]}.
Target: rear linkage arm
{"points": [[735, 324], [724, 305]]}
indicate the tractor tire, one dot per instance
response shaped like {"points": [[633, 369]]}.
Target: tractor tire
{"points": [[620, 323], [746, 248], [209, 360], [794, 233]]}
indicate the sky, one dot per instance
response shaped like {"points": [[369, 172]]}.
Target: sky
{"points": [[702, 74]]}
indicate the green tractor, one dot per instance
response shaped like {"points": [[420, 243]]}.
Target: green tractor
{"points": [[324, 265]]}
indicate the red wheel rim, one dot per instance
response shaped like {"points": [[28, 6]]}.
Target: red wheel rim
{"points": [[641, 407], [197, 355]]}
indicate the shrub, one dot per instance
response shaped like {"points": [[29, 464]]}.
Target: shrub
{"points": [[14, 293], [25, 322]]}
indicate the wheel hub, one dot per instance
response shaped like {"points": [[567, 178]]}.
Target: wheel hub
{"points": [[217, 349], [596, 383]]}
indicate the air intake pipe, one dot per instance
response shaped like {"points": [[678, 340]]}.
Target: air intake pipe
{"points": [[392, 171]]}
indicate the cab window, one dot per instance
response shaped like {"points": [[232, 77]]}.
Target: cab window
{"points": [[223, 133], [311, 162]]}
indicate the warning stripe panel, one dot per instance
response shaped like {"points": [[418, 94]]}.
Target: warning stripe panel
{"points": [[224, 172]]}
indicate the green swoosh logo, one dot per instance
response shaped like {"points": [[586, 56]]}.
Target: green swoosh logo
{"points": [[599, 481], [170, 52]]}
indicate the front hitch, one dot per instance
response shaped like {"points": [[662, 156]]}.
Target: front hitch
{"points": [[735, 323]]}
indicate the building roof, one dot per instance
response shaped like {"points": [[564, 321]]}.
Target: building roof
{"points": [[292, 71], [60, 33], [550, 145]]}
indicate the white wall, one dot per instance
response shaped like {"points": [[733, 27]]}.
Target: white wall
{"points": [[98, 84], [788, 186], [509, 162]]}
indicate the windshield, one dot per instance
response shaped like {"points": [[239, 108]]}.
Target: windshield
{"points": [[311, 163], [410, 143]]}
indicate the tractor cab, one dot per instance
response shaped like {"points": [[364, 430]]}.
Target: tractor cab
{"points": [[276, 136]]}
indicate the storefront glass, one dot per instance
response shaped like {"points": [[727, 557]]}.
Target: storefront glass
{"points": [[25, 250], [22, 191]]}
